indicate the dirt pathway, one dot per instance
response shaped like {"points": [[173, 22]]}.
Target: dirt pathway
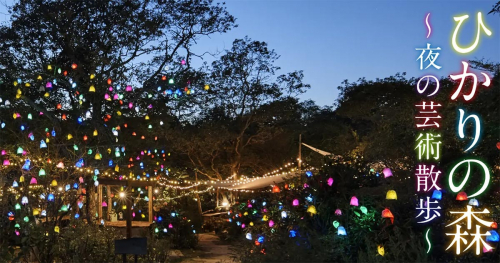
{"points": [[211, 250]]}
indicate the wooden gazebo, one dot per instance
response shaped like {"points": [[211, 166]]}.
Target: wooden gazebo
{"points": [[108, 183]]}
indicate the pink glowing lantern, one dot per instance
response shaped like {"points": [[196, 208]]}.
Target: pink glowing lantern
{"points": [[104, 204], [306, 185], [33, 180], [106, 96], [242, 225], [338, 212], [354, 201], [115, 97], [330, 181], [249, 205], [80, 179], [130, 105], [6, 162], [387, 172], [271, 223], [183, 62], [133, 214], [487, 249], [295, 202], [128, 88], [4, 152], [170, 226]]}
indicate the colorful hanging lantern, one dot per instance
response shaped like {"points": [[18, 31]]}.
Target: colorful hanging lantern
{"points": [[387, 172], [53, 183], [336, 224], [330, 181], [391, 195], [312, 209], [354, 201], [33, 180], [60, 165], [276, 189], [363, 210], [341, 231], [338, 212], [6, 162], [271, 223], [462, 196], [381, 250], [473, 202], [295, 202], [92, 88], [386, 213], [436, 194], [50, 198]]}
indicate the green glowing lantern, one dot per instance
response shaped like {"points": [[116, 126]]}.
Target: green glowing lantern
{"points": [[363, 210]]}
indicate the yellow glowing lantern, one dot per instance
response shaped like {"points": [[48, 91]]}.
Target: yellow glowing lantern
{"points": [[49, 67], [312, 209], [21, 179], [56, 229], [119, 113], [14, 116], [251, 223], [36, 212], [147, 117], [391, 195], [92, 88], [265, 218], [98, 156], [117, 169], [95, 133], [381, 250], [54, 183], [39, 77], [92, 76], [70, 137], [124, 207], [46, 95], [207, 87]]}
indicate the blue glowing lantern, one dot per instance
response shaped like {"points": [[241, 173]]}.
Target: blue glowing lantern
{"points": [[67, 187], [160, 218], [50, 198], [473, 202], [80, 163], [77, 216], [75, 186], [260, 239], [110, 163], [15, 184], [248, 236], [309, 174], [292, 233], [341, 231], [437, 195], [493, 237], [172, 214], [43, 144]]}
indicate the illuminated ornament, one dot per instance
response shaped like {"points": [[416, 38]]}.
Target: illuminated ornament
{"points": [[64, 208], [283, 214], [60, 165], [170, 226], [77, 216], [493, 237], [24, 200], [336, 224], [386, 213], [251, 223], [4, 152], [147, 117], [53, 133], [437, 195], [53, 183], [171, 81], [56, 229], [44, 213], [95, 133], [48, 85], [75, 147], [79, 163], [330, 181], [43, 144], [21, 179], [309, 174], [380, 250], [462, 196], [338, 212], [248, 236], [354, 201], [312, 209], [20, 150], [271, 223], [109, 81], [387, 172], [363, 210], [92, 88], [18, 206], [80, 204], [36, 212], [128, 88], [106, 96], [67, 187], [74, 66], [276, 189], [207, 87], [494, 225], [50, 198], [46, 95], [265, 218], [26, 219], [70, 137], [498, 145], [33, 180], [15, 184], [75, 186], [41, 172], [391, 195], [473, 202], [26, 165], [30, 116], [341, 231], [31, 136]]}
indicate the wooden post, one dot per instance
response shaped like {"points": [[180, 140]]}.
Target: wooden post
{"points": [[129, 217], [99, 200], [197, 195], [150, 203], [108, 192]]}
